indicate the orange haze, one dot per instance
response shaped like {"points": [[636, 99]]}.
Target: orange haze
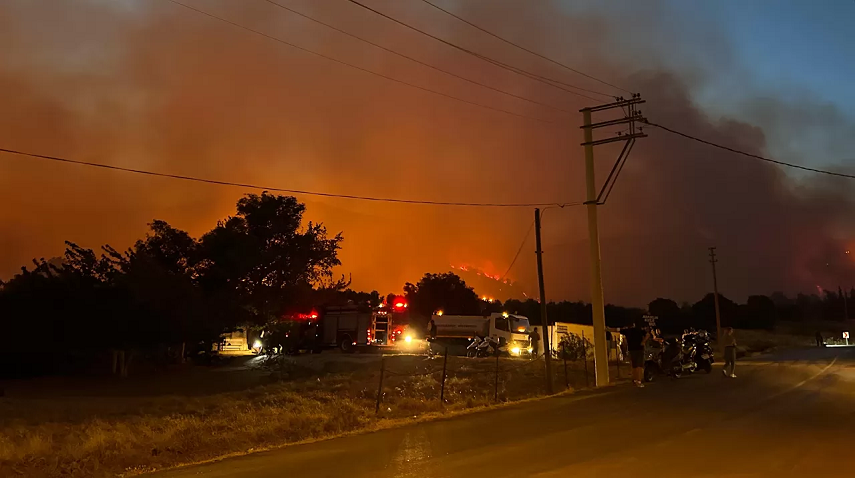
{"points": [[151, 85]]}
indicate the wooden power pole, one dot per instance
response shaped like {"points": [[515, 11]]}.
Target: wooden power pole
{"points": [[547, 351], [595, 199], [718, 335]]}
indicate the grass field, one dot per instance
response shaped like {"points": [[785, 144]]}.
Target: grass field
{"points": [[94, 427], [105, 432]]}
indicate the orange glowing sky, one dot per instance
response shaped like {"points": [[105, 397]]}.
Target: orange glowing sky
{"points": [[147, 84]]}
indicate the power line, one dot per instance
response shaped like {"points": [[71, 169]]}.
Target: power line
{"points": [[291, 191], [519, 71], [413, 59], [522, 245], [750, 155], [525, 49], [279, 40]]}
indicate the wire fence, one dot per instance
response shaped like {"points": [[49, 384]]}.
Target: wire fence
{"points": [[451, 379], [407, 384]]}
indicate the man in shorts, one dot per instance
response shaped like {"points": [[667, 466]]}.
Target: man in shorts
{"points": [[636, 339]]}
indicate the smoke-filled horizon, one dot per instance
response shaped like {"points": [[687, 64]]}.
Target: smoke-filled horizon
{"points": [[151, 85]]}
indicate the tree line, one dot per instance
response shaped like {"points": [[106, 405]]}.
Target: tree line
{"points": [[449, 293], [170, 293]]}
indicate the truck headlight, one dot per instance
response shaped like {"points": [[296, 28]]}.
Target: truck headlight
{"points": [[256, 344], [515, 350], [408, 339]]}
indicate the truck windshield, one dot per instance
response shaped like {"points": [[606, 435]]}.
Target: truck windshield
{"points": [[519, 324]]}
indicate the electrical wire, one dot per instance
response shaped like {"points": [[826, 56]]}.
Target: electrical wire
{"points": [[525, 49], [415, 60], [750, 155], [522, 245], [277, 189], [519, 71], [279, 40]]}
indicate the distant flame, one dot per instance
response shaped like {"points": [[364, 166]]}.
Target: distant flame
{"points": [[499, 289]]}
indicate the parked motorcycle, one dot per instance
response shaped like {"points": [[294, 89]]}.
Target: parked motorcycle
{"points": [[703, 353], [481, 347], [679, 356]]}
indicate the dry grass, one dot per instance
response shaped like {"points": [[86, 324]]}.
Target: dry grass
{"points": [[102, 446], [109, 436]]}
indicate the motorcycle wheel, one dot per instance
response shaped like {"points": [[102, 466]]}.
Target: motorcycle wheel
{"points": [[706, 367], [471, 353], [649, 373]]}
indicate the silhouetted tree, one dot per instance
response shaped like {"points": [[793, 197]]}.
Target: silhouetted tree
{"points": [[529, 308], [266, 258], [663, 308], [442, 291], [759, 312], [349, 296], [567, 311], [671, 317], [617, 316], [703, 312]]}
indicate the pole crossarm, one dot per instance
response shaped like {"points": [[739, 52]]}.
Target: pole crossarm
{"points": [[615, 139], [601, 124], [635, 100]]}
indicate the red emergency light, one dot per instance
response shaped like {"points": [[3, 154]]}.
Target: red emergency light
{"points": [[310, 316], [399, 304]]}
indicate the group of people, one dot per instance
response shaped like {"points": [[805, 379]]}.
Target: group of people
{"points": [[637, 338]]}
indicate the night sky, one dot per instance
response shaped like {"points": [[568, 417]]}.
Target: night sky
{"points": [[151, 85]]}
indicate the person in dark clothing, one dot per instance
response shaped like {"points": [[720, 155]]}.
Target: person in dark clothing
{"points": [[535, 342], [820, 342], [431, 329], [636, 339], [729, 342]]}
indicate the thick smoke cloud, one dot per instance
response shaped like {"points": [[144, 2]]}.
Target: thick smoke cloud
{"points": [[149, 84]]}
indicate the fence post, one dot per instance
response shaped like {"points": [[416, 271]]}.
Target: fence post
{"points": [[566, 379], [496, 391], [380, 386], [444, 367], [585, 356]]}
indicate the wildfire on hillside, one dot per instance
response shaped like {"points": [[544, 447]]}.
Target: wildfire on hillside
{"points": [[490, 286]]}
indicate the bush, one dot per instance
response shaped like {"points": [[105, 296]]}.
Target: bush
{"points": [[573, 347]]}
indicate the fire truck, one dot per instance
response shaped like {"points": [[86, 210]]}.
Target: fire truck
{"points": [[350, 327]]}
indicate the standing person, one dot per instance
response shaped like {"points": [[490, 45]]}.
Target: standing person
{"points": [[431, 336], [636, 339], [819, 340], [729, 342], [535, 342]]}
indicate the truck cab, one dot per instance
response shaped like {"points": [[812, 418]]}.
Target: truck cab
{"points": [[512, 330]]}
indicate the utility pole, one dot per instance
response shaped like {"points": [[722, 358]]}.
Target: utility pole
{"points": [[631, 116], [547, 352], [718, 336]]}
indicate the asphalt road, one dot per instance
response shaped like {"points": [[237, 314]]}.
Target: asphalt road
{"points": [[792, 414]]}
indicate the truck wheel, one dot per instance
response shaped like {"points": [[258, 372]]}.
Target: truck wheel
{"points": [[346, 344]]}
